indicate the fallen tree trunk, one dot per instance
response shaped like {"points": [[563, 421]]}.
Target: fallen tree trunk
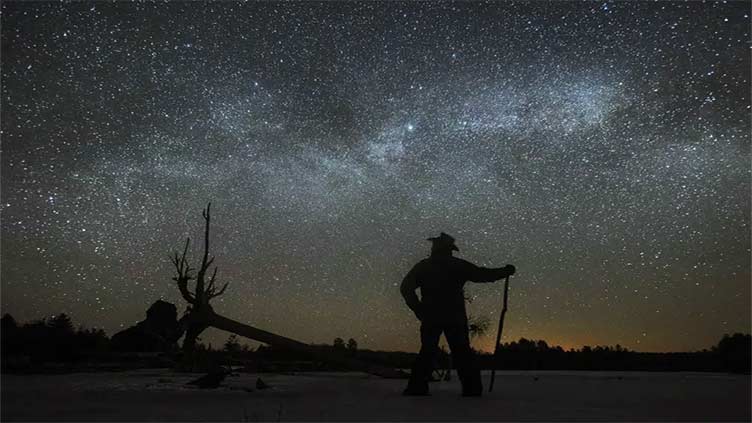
{"points": [[201, 315], [229, 325]]}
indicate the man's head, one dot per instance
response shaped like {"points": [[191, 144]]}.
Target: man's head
{"points": [[443, 244]]}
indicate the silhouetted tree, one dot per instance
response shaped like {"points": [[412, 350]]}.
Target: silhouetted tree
{"points": [[352, 345], [734, 352], [232, 345], [339, 344], [8, 334], [92, 340], [199, 311], [8, 322], [478, 326], [47, 340], [61, 323]]}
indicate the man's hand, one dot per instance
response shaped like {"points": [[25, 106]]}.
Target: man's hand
{"points": [[407, 288], [419, 312], [511, 269]]}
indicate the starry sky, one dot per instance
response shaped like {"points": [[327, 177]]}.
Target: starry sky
{"points": [[603, 148]]}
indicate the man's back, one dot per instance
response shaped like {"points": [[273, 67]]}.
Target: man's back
{"points": [[441, 279]]}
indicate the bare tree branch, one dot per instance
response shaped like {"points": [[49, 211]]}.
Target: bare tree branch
{"points": [[200, 288], [221, 291], [207, 217], [205, 288], [183, 271], [210, 288]]}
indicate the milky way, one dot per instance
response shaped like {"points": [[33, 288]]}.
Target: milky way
{"points": [[602, 148]]}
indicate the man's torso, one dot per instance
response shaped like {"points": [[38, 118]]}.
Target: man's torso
{"points": [[441, 281]]}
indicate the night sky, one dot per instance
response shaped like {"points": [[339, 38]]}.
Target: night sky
{"points": [[601, 148]]}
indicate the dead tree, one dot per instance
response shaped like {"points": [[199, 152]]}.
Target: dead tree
{"points": [[200, 314], [199, 311]]}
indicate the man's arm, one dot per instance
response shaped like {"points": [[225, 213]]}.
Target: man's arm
{"points": [[475, 273], [407, 288]]}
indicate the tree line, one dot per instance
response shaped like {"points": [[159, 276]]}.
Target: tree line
{"points": [[55, 339]]}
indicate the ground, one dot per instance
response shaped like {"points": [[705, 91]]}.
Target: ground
{"points": [[150, 395]]}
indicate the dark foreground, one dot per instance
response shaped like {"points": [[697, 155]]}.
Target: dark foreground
{"points": [[150, 395]]}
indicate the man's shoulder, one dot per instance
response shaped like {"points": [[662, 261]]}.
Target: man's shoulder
{"points": [[422, 264], [452, 261], [460, 262], [462, 267]]}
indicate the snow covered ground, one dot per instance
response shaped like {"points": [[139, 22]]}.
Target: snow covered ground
{"points": [[149, 395]]}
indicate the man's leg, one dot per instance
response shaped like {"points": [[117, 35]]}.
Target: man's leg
{"points": [[421, 372], [464, 358]]}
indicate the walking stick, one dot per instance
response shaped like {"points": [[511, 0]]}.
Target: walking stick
{"points": [[498, 335]]}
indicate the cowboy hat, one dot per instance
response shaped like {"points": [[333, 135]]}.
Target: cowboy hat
{"points": [[444, 240]]}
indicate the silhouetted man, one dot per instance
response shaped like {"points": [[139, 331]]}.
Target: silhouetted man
{"points": [[441, 278]]}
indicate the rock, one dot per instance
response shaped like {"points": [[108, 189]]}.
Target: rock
{"points": [[260, 384], [211, 380], [158, 333]]}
